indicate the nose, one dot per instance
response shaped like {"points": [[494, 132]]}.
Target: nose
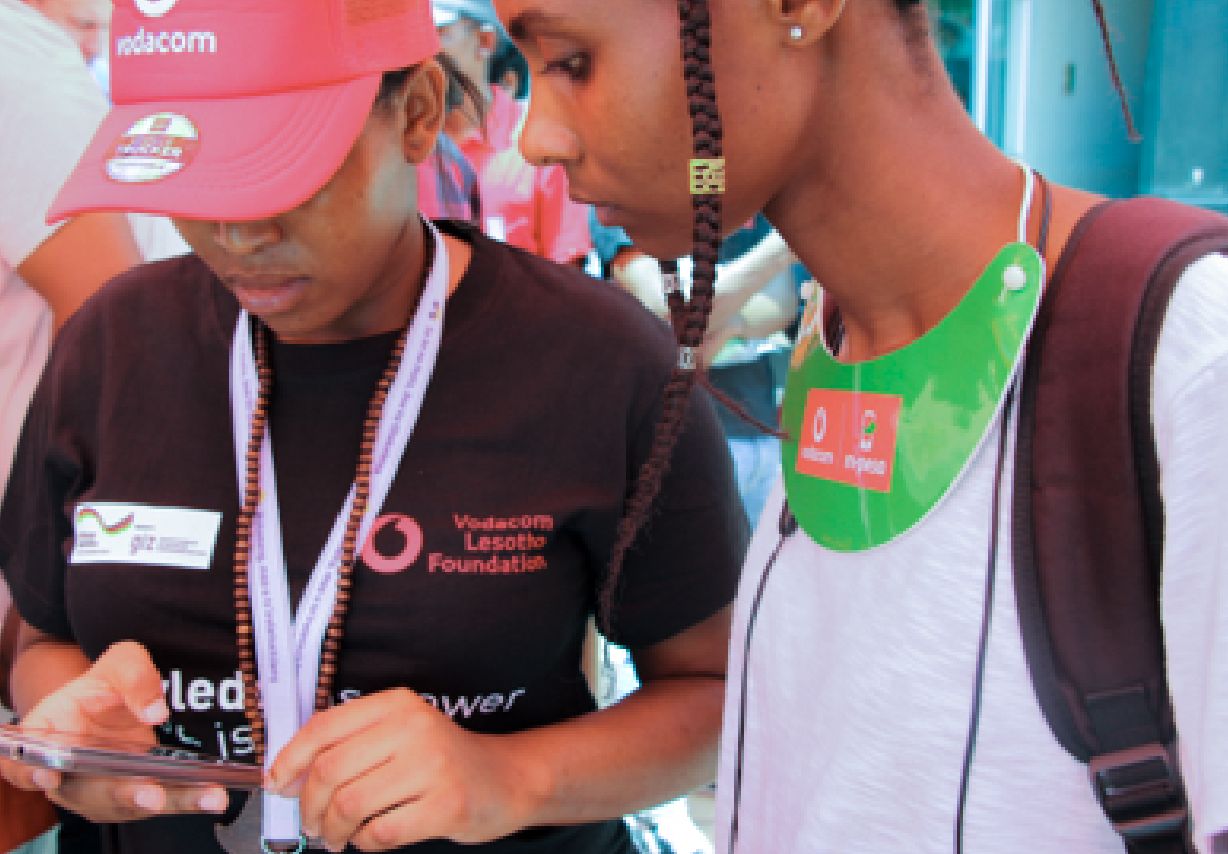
{"points": [[545, 138], [246, 238]]}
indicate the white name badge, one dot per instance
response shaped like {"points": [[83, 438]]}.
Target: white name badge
{"points": [[110, 532]]}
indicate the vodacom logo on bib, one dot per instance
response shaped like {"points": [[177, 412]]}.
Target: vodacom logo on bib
{"points": [[154, 8]]}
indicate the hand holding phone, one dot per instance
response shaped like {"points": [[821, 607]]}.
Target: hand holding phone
{"points": [[117, 698]]}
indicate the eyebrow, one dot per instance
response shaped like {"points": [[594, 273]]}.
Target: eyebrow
{"points": [[533, 22]]}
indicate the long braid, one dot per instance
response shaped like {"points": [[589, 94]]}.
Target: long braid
{"points": [[674, 300], [1103, 22], [738, 409], [690, 316]]}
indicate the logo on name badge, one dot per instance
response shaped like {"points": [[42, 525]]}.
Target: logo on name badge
{"points": [[153, 148], [154, 8], [121, 523], [849, 437]]}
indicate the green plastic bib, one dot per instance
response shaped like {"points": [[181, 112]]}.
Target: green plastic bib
{"points": [[874, 446]]}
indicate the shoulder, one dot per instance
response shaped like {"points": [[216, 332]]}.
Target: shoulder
{"points": [[171, 284], [150, 311], [1194, 338], [529, 291]]}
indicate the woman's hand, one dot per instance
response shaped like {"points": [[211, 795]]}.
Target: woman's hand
{"points": [[120, 698], [388, 769]]}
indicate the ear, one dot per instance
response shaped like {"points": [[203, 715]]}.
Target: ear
{"points": [[425, 105], [811, 18]]}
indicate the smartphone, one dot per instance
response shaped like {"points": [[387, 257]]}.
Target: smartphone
{"points": [[81, 754]]}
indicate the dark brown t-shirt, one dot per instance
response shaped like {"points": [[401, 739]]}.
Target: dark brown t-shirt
{"points": [[539, 413]]}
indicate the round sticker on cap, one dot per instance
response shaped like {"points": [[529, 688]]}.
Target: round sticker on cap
{"points": [[154, 148]]}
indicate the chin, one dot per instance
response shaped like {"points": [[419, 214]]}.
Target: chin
{"points": [[660, 243]]}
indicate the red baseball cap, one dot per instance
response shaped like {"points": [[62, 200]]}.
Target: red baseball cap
{"points": [[238, 109]]}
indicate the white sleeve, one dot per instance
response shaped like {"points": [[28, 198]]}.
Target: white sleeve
{"points": [[49, 110], [156, 237], [1190, 413]]}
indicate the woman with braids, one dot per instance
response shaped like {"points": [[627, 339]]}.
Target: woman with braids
{"points": [[338, 492], [855, 717]]}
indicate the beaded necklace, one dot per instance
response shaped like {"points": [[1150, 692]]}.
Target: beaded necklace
{"points": [[288, 656], [251, 495]]}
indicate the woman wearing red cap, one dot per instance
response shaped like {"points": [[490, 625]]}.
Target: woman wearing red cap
{"points": [[339, 491], [868, 643]]}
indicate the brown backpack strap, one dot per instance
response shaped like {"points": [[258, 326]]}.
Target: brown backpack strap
{"points": [[1087, 513]]}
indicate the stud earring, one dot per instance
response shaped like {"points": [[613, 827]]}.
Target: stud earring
{"points": [[796, 32]]}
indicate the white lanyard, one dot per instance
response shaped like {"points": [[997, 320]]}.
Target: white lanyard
{"points": [[288, 644]]}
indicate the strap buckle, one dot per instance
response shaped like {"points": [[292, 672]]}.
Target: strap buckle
{"points": [[1140, 791]]}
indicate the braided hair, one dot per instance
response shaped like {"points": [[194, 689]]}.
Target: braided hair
{"points": [[688, 316], [1103, 23]]}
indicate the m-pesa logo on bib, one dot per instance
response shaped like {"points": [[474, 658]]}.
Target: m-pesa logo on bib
{"points": [[849, 437]]}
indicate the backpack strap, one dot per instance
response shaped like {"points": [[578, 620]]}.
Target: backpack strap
{"points": [[1088, 524]]}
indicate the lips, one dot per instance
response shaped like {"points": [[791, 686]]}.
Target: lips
{"points": [[266, 293], [606, 212]]}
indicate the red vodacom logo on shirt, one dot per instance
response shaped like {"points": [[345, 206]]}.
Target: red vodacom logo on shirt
{"points": [[849, 437], [411, 538], [489, 545]]}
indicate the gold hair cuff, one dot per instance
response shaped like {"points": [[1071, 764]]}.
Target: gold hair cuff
{"points": [[707, 176]]}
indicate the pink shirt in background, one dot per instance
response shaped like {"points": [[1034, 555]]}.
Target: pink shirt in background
{"points": [[524, 205]]}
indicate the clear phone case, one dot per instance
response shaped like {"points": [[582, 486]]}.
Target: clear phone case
{"points": [[78, 754]]}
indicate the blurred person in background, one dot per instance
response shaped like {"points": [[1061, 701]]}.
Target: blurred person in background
{"points": [[85, 21], [750, 332], [447, 182], [521, 204], [49, 107]]}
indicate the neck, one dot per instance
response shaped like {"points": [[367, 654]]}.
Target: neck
{"points": [[896, 268], [897, 213]]}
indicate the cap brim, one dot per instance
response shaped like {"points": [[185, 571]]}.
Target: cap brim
{"points": [[253, 157]]}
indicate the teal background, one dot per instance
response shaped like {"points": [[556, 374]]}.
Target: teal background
{"points": [[1033, 74]]}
